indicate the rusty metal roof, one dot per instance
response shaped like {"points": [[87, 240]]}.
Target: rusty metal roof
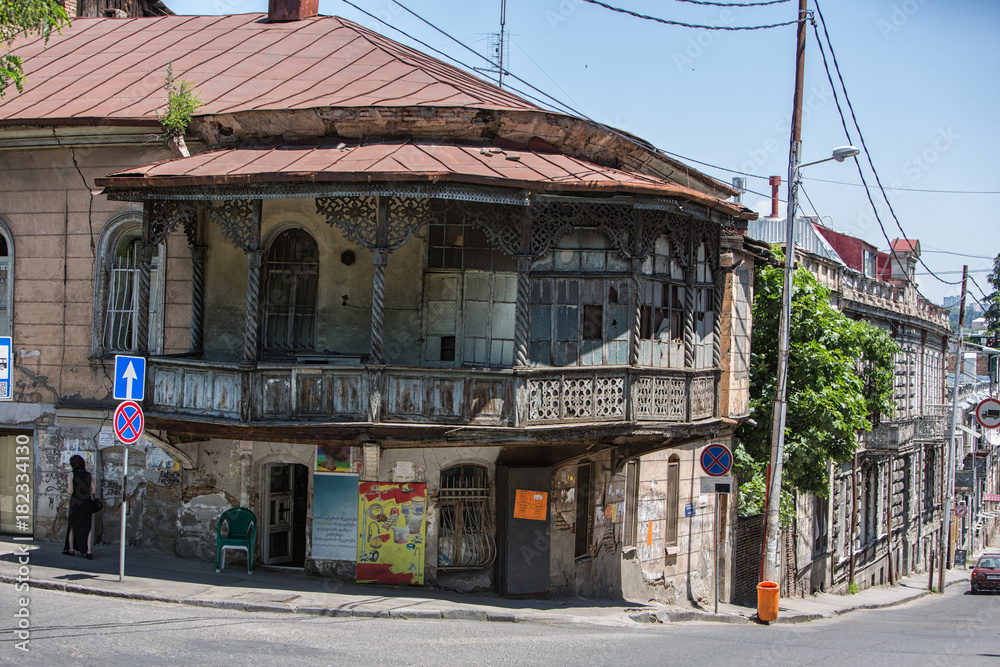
{"points": [[115, 69], [406, 161]]}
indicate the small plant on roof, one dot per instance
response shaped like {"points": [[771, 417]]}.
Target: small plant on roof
{"points": [[182, 102]]}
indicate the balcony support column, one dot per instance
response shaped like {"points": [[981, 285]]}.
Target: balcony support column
{"points": [[636, 328], [523, 317], [198, 254], [381, 257]]}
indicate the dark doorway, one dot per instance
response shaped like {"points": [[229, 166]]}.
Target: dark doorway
{"points": [[523, 543], [286, 494]]}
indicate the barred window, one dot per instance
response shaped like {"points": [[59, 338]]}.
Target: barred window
{"points": [[291, 278], [122, 264], [6, 290], [465, 531], [584, 511]]}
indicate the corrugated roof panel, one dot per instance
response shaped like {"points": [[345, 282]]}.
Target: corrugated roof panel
{"points": [[94, 61]]}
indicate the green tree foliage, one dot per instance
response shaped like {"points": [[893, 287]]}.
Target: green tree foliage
{"points": [[840, 381], [992, 313], [24, 18]]}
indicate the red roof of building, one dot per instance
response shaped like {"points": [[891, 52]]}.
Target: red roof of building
{"points": [[116, 69], [405, 161], [906, 245]]}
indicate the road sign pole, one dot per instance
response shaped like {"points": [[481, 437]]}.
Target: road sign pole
{"points": [[716, 553], [121, 548]]}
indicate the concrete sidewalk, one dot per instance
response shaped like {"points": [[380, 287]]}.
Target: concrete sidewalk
{"points": [[156, 577]]}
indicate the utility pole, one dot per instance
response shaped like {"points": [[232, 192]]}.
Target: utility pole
{"points": [[772, 526], [949, 482]]}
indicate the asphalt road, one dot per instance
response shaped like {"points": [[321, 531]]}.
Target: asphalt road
{"points": [[74, 629]]}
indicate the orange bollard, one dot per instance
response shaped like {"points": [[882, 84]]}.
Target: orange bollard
{"points": [[767, 601]]}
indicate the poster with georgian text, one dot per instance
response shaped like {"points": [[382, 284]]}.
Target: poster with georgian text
{"points": [[391, 532], [335, 517]]}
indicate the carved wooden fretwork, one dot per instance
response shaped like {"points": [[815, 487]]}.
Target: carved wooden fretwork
{"points": [[504, 225], [358, 218], [238, 222], [652, 224], [661, 399], [543, 400], [550, 221], [702, 398], [165, 216], [580, 397], [609, 397]]}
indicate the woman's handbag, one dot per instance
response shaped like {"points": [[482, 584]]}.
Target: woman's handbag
{"points": [[96, 504]]}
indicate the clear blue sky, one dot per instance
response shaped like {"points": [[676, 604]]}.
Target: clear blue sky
{"points": [[923, 76]]}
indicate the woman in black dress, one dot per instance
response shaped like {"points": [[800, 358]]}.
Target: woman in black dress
{"points": [[80, 486]]}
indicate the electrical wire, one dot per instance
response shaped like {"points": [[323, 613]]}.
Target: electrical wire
{"points": [[940, 192], [864, 145], [734, 4], [802, 187], [981, 290], [957, 254], [688, 25], [508, 73], [466, 66]]}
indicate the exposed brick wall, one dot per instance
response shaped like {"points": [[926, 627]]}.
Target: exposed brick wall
{"points": [[746, 567]]}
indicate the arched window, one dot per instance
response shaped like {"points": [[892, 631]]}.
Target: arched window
{"points": [[465, 532], [673, 500], [118, 289], [291, 277], [6, 280]]}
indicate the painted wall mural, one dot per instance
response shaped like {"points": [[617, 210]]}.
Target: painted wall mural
{"points": [[335, 458], [391, 533], [335, 517]]}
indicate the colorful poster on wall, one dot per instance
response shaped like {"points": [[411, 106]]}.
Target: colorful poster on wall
{"points": [[391, 530], [337, 458], [335, 517]]}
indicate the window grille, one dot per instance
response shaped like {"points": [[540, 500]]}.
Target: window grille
{"points": [[4, 288], [465, 531], [123, 296], [291, 278]]}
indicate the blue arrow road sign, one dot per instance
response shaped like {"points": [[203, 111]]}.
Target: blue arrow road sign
{"points": [[130, 378]]}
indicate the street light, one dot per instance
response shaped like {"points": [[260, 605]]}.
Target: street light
{"points": [[773, 521]]}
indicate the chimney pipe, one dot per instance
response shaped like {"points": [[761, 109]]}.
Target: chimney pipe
{"points": [[775, 184], [291, 10]]}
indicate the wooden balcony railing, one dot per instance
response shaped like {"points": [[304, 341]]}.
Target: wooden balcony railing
{"points": [[386, 394]]}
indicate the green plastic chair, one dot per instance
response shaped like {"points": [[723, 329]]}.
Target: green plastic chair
{"points": [[241, 530]]}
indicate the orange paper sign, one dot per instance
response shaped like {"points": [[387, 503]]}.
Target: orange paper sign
{"points": [[531, 505]]}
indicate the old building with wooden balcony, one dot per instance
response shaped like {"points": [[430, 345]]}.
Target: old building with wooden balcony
{"points": [[883, 516], [377, 268]]}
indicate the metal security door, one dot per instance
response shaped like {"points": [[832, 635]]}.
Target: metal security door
{"points": [[523, 569], [279, 515]]}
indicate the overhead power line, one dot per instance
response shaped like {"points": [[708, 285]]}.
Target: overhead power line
{"points": [[864, 145], [688, 25], [734, 4], [940, 192]]}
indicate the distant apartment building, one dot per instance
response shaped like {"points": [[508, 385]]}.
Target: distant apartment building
{"points": [[883, 516]]}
